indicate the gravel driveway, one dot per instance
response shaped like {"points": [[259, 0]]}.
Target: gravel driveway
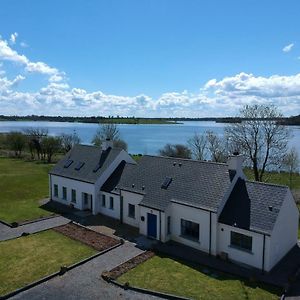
{"points": [[85, 282]]}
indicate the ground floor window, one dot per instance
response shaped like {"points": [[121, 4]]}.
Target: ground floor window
{"points": [[131, 211], [189, 229], [111, 202], [169, 225], [64, 193], [55, 190], [85, 198], [241, 240], [73, 196], [103, 201]]}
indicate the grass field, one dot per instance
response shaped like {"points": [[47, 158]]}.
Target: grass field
{"points": [[277, 178], [26, 259], [22, 185], [175, 277]]}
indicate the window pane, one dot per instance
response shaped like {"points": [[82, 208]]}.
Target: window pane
{"points": [[111, 202], [55, 190], [103, 200], [241, 240], [74, 196], [189, 229], [131, 211]]}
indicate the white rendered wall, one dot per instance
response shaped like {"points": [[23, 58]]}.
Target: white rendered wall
{"points": [[134, 199], [252, 258], [113, 213], [285, 232], [70, 184], [201, 217]]}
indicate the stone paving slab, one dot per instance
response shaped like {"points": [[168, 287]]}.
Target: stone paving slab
{"points": [[85, 282], [7, 233]]}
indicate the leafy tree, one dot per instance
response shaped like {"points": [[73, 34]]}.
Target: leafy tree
{"points": [[16, 142], [68, 141], [177, 150], [50, 145], [198, 146], [259, 137], [291, 162]]}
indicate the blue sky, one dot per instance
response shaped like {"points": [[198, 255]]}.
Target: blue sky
{"points": [[148, 58]]}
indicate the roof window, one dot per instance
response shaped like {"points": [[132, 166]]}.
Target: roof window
{"points": [[79, 165], [68, 163], [166, 183]]}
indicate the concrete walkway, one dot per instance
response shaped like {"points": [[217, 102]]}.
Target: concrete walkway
{"points": [[85, 282], [7, 233]]}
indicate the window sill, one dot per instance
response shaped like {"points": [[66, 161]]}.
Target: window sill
{"points": [[190, 238], [131, 217], [241, 249]]}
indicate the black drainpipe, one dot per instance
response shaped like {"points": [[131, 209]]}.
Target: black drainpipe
{"points": [[263, 255], [209, 251], [160, 225], [50, 196], [121, 208]]}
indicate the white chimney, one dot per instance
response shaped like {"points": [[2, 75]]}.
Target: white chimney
{"points": [[108, 143], [235, 163]]}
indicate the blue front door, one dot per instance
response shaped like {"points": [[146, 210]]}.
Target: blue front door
{"points": [[152, 227]]}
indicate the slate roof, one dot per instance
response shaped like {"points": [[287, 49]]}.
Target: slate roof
{"points": [[196, 183], [90, 156], [253, 206]]}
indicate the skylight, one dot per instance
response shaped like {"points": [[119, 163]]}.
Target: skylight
{"points": [[79, 165], [68, 163], [166, 183]]}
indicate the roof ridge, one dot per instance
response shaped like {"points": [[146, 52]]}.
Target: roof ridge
{"points": [[267, 183], [187, 159]]}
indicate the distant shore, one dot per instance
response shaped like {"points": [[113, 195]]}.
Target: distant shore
{"points": [[295, 120]]}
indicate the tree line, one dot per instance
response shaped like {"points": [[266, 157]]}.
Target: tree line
{"points": [[263, 142]]}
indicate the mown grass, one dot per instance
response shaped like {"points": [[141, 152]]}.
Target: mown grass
{"points": [[22, 185], [180, 278], [27, 259]]}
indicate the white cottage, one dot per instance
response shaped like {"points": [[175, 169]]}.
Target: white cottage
{"points": [[207, 206]]}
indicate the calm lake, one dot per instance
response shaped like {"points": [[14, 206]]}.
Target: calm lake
{"points": [[144, 139]]}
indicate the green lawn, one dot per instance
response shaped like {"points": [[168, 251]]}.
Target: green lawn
{"points": [[22, 184], [277, 178], [183, 279], [26, 259]]}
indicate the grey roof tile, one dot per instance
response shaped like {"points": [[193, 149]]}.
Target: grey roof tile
{"points": [[90, 156], [253, 206], [201, 184]]}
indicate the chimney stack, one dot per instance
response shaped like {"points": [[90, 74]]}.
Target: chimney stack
{"points": [[235, 163], [108, 143]]}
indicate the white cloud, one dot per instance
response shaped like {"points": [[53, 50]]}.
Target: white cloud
{"points": [[8, 54], [216, 98], [288, 48], [13, 38]]}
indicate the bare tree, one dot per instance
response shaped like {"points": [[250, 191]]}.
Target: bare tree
{"points": [[35, 136], [120, 144], [178, 150], [198, 145], [106, 131], [215, 147], [49, 146], [291, 162], [260, 137], [68, 141], [16, 142]]}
